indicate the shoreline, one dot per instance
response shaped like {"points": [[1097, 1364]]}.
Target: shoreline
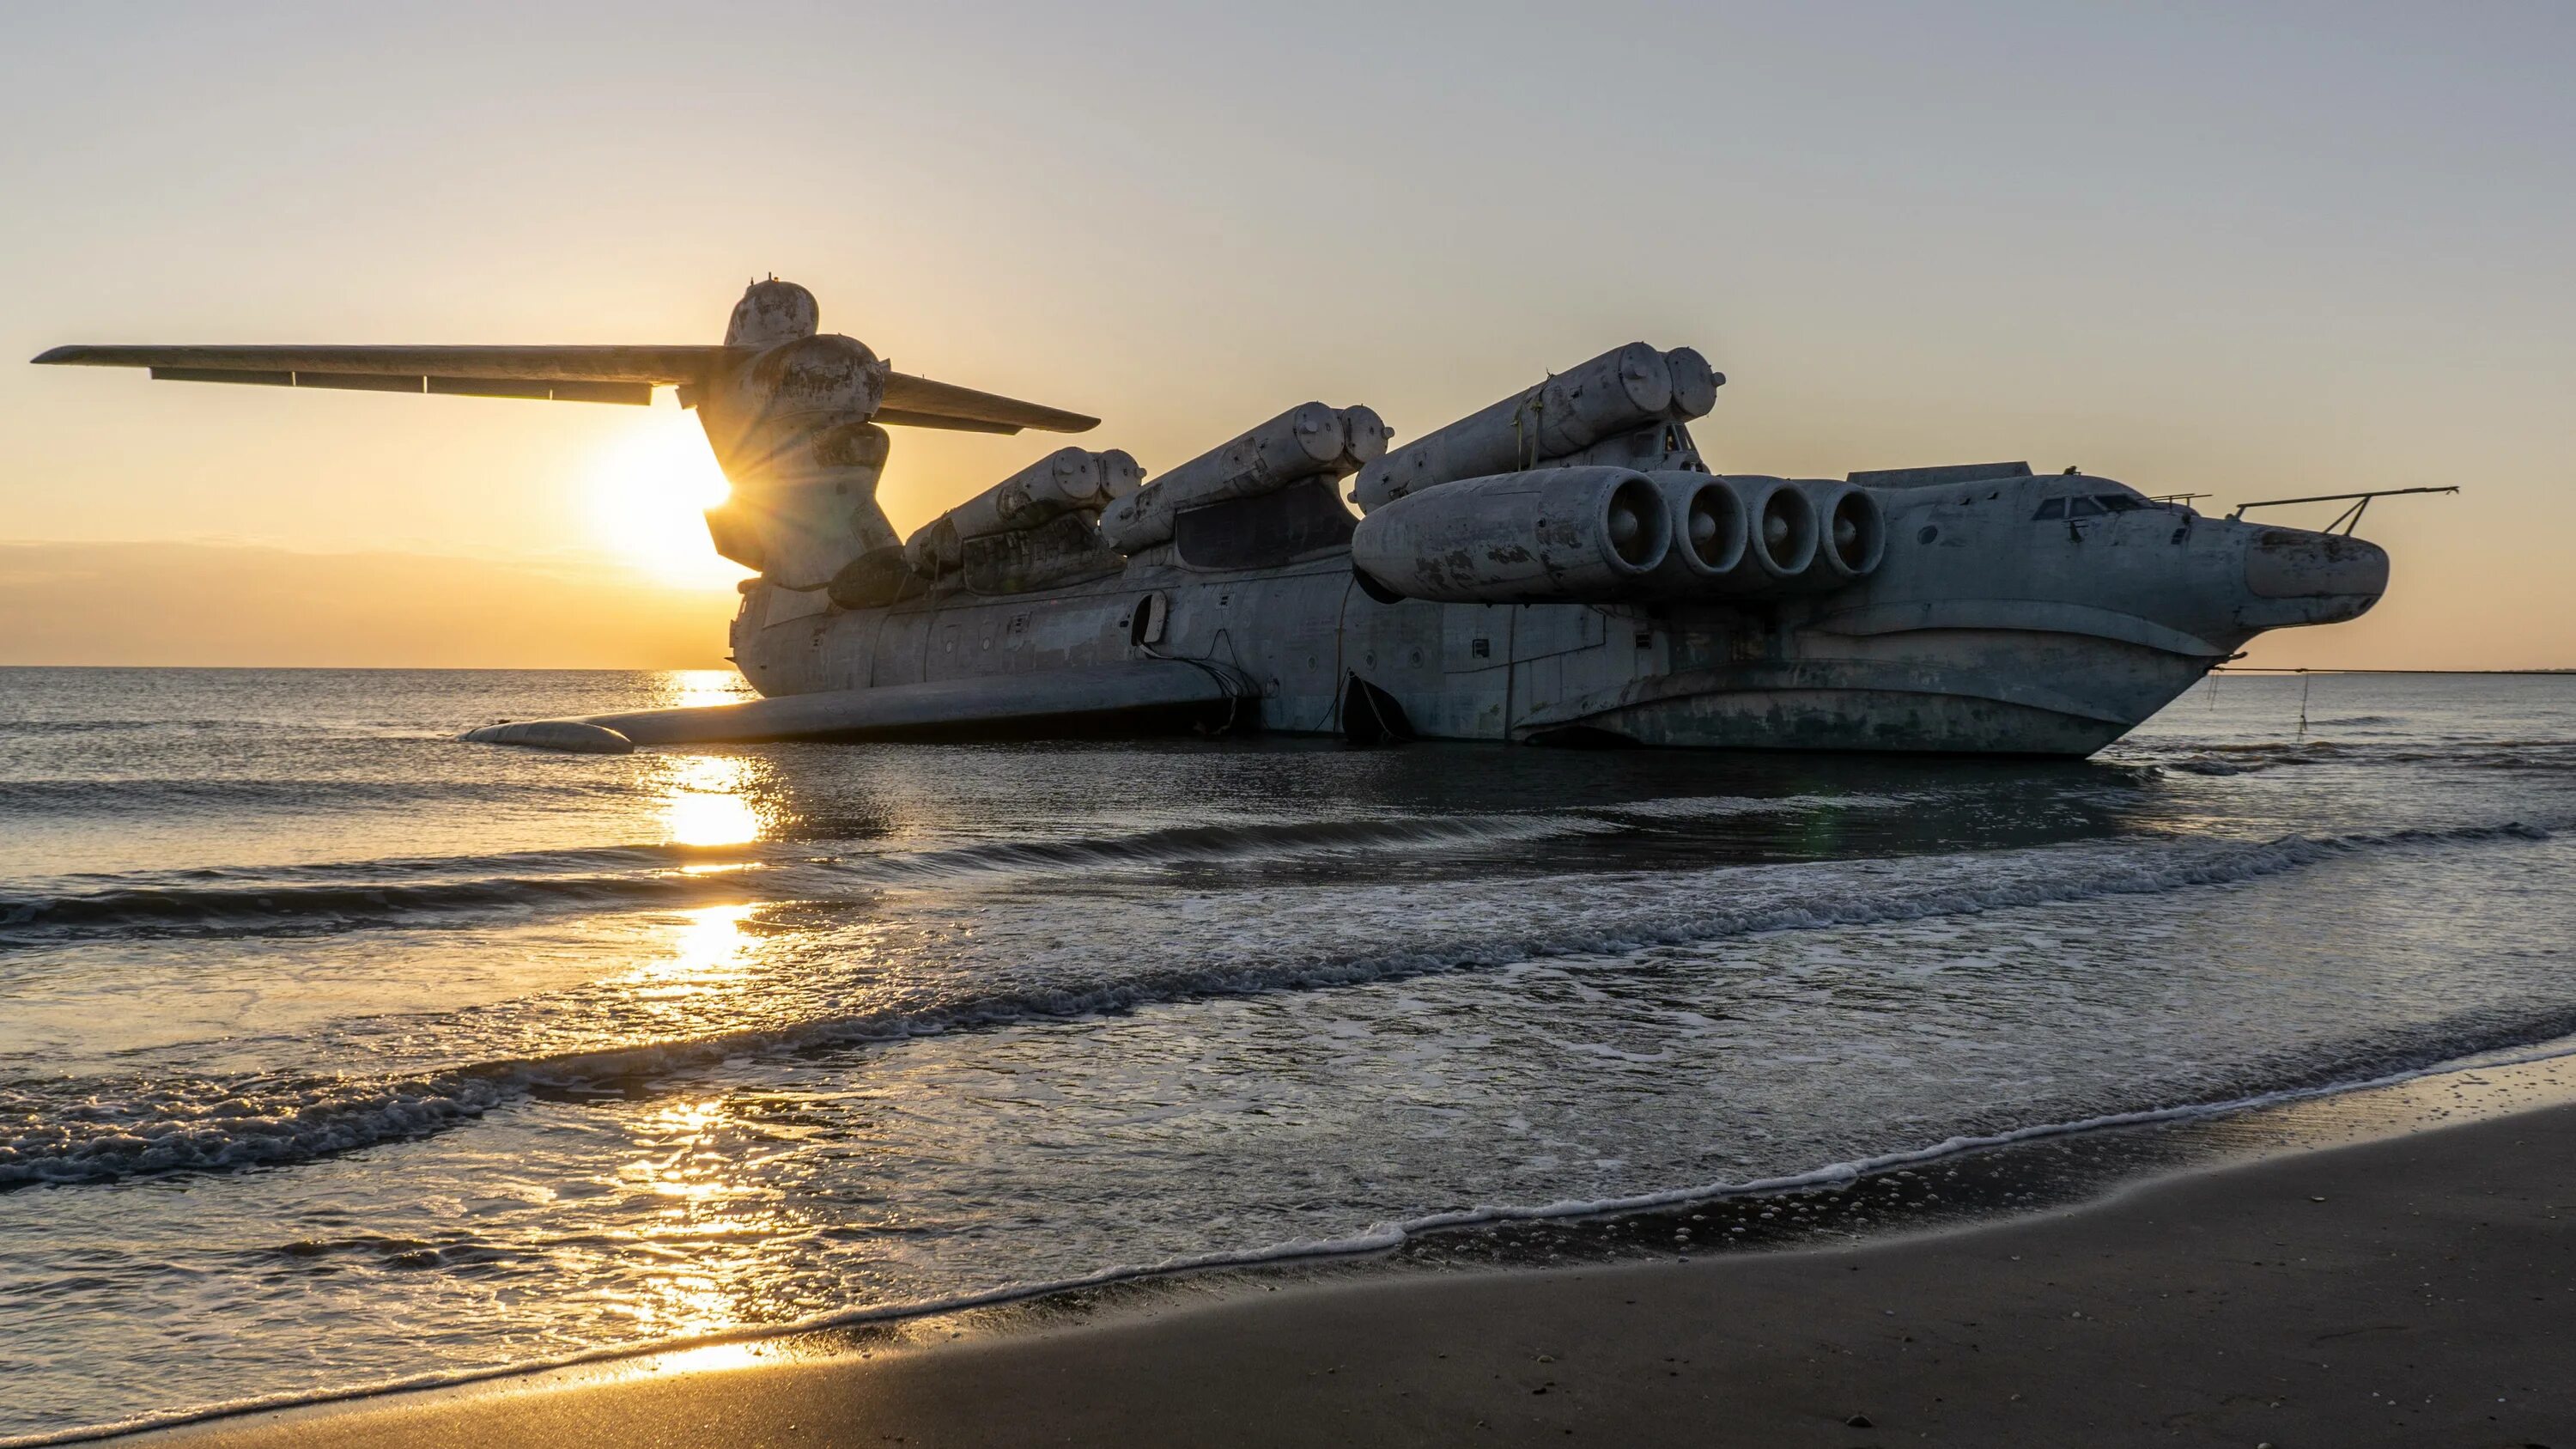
{"points": [[2088, 1170]]}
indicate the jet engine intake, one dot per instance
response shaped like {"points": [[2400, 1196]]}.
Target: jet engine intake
{"points": [[1851, 534], [1549, 536], [1779, 536], [1709, 534]]}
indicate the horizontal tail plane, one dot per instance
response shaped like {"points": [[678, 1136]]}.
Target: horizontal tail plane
{"points": [[606, 374]]}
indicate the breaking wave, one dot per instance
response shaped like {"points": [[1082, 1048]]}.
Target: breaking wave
{"points": [[2248, 759], [76, 1130], [313, 899], [79, 798]]}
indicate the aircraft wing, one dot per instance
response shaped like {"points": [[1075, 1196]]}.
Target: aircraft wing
{"points": [[1164, 691], [609, 374]]}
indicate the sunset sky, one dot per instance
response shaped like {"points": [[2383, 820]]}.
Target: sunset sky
{"points": [[2249, 252]]}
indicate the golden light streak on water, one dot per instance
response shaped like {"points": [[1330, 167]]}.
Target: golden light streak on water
{"points": [[689, 688], [709, 953], [707, 1245], [706, 801]]}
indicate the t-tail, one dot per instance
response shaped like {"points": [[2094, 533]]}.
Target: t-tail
{"points": [[796, 415]]}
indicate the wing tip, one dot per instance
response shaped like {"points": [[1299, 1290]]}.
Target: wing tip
{"points": [[51, 355]]}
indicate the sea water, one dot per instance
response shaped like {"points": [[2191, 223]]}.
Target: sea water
{"points": [[336, 1052]]}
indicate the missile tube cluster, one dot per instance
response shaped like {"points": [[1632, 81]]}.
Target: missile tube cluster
{"points": [[1068, 480], [1620, 391], [1500, 507], [1309, 440], [1472, 513]]}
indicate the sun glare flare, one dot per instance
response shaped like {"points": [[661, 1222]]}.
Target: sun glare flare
{"points": [[645, 495]]}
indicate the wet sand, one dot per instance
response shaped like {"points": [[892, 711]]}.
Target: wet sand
{"points": [[2420, 1290]]}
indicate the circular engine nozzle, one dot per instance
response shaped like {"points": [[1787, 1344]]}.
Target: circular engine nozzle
{"points": [[1851, 533], [1636, 527], [1709, 536], [1780, 531]]}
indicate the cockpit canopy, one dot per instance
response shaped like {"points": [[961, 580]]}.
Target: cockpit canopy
{"points": [[2098, 498]]}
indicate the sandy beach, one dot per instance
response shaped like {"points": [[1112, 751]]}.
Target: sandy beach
{"points": [[2420, 1290]]}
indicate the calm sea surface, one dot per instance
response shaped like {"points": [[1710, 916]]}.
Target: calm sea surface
{"points": [[333, 1051]]}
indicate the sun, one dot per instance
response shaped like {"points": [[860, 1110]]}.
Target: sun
{"points": [[644, 497]]}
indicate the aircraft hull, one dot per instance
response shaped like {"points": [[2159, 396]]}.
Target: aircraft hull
{"points": [[1985, 632]]}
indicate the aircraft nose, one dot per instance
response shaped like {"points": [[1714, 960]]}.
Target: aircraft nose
{"points": [[2292, 563]]}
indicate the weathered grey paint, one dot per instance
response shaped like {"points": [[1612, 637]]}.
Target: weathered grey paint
{"points": [[1982, 631]]}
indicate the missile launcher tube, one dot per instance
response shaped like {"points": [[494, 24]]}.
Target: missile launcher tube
{"points": [[1549, 536], [935, 549], [1059, 483], [1068, 480], [1619, 391], [1120, 474], [1695, 384], [1365, 436], [1308, 439]]}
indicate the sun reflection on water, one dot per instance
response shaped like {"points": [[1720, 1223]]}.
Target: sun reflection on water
{"points": [[706, 801], [706, 1245], [689, 688], [710, 951]]}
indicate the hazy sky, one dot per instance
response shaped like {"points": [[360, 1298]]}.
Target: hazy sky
{"points": [[2253, 251]]}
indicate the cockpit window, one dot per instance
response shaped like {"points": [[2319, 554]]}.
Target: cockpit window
{"points": [[2053, 508], [2118, 502], [2082, 508]]}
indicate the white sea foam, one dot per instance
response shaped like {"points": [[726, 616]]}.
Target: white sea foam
{"points": [[382, 893], [1714, 807]]}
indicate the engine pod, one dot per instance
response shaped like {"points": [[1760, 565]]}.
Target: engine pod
{"points": [[1708, 533], [1549, 536], [1779, 537], [1851, 533]]}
